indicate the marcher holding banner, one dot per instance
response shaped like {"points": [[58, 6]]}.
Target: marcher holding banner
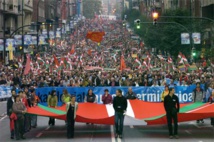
{"points": [[71, 109], [66, 97], [19, 109], [106, 98], [130, 94], [164, 93], [172, 106], [198, 96], [52, 102], [10, 102], [90, 97], [120, 105]]}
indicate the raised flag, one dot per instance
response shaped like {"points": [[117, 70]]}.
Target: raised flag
{"points": [[72, 49], [122, 63], [95, 36], [56, 61], [27, 66]]}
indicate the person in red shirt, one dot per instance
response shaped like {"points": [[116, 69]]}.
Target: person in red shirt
{"points": [[183, 77], [23, 98], [106, 98]]}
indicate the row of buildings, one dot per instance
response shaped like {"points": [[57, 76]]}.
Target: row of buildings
{"points": [[16, 13]]}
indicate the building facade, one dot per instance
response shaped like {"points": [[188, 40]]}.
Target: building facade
{"points": [[8, 16]]}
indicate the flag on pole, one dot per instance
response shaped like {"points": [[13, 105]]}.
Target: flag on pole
{"points": [[122, 63], [95, 36], [27, 66], [56, 61], [72, 49]]}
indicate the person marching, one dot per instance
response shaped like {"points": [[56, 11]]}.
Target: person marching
{"points": [[71, 109], [172, 106], [10, 102], [198, 96], [34, 101], [52, 102], [164, 93], [130, 95], [106, 98], [19, 109], [119, 105]]}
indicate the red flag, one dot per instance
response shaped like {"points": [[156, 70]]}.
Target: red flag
{"points": [[95, 36], [122, 63], [72, 50], [89, 52], [56, 61], [27, 66]]}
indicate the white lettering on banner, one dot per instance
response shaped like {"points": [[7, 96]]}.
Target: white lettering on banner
{"points": [[152, 97], [5, 92]]}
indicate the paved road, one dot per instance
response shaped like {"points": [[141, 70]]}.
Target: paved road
{"points": [[134, 131]]}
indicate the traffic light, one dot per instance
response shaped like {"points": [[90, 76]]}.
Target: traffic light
{"points": [[124, 23], [20, 49], [155, 18], [193, 52], [138, 23]]}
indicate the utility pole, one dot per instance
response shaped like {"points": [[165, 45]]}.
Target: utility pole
{"points": [[22, 26], [4, 24]]}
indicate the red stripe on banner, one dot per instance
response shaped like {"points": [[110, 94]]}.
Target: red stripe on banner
{"points": [[145, 110]]}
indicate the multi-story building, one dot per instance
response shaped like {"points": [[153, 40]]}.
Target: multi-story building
{"points": [[8, 16], [27, 7], [207, 10]]}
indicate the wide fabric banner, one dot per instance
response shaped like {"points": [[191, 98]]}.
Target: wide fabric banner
{"points": [[5, 92], [150, 94]]}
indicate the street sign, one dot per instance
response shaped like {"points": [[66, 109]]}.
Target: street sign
{"points": [[185, 38]]}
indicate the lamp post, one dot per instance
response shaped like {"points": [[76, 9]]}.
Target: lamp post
{"points": [[37, 37], [4, 24], [22, 24]]}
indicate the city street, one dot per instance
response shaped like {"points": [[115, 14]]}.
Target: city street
{"points": [[134, 131]]}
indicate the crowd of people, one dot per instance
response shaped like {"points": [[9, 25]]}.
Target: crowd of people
{"points": [[86, 63]]}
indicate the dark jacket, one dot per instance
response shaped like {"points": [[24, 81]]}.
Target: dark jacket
{"points": [[9, 106], [170, 103], [90, 98], [120, 104]]}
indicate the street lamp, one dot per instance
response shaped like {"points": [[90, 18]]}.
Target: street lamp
{"points": [[37, 37]]}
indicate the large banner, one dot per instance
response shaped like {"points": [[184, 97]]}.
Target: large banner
{"points": [[27, 39], [18, 39], [5, 92], [1, 45], [185, 38], [150, 94]]}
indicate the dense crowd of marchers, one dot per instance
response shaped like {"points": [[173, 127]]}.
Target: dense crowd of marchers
{"points": [[87, 63]]}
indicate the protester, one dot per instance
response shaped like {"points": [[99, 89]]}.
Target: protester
{"points": [[165, 93], [27, 119], [66, 97], [198, 96], [34, 101], [52, 102], [172, 106], [120, 105], [211, 100], [19, 109], [10, 102], [130, 94], [106, 98], [71, 109], [90, 97], [208, 97]]}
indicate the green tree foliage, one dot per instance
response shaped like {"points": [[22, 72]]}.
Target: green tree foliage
{"points": [[167, 37], [91, 7]]}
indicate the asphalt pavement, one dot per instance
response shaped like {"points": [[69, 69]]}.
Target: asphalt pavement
{"points": [[134, 131]]}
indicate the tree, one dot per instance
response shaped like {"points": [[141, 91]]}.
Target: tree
{"points": [[167, 37], [91, 8]]}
